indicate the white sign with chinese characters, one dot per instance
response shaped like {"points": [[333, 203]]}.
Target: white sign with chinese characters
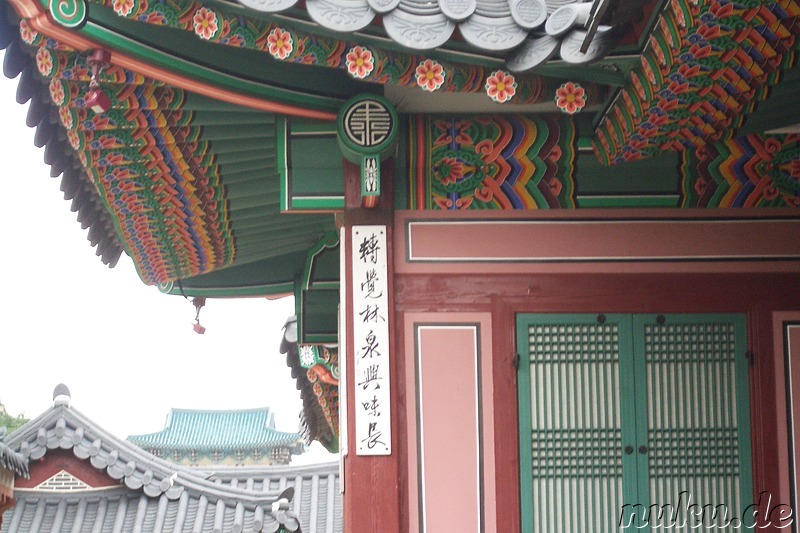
{"points": [[371, 341]]}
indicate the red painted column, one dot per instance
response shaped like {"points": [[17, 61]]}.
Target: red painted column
{"points": [[371, 483]]}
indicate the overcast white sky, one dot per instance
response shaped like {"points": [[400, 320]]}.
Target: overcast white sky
{"points": [[126, 351]]}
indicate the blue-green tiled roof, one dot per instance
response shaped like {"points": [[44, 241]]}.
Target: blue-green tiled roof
{"points": [[218, 430]]}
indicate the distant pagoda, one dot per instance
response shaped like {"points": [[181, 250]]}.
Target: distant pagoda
{"points": [[233, 438]]}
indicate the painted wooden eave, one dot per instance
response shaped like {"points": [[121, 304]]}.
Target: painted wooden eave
{"points": [[703, 67], [706, 67], [310, 45], [320, 415], [39, 19], [190, 183], [63, 161]]}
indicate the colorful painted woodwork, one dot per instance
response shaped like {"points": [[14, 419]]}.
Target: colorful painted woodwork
{"points": [[322, 370], [752, 171], [361, 60], [492, 162], [326, 389], [150, 161], [704, 69]]}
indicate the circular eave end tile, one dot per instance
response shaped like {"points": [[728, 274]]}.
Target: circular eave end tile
{"points": [[458, 10], [561, 20], [601, 44], [383, 6], [534, 52], [493, 34], [268, 6], [418, 32], [529, 14], [341, 15]]}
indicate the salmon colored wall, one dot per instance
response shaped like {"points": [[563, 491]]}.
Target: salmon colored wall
{"points": [[448, 369], [755, 272], [645, 240], [748, 270], [504, 296]]}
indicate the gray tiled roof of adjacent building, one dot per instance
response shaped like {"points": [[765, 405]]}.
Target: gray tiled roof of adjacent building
{"points": [[156, 495], [11, 460]]}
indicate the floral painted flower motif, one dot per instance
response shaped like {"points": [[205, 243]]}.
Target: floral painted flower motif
{"points": [[451, 170], [359, 62], [153, 17], [205, 23], [430, 75], [74, 139], [280, 43], [794, 169], [123, 8], [66, 117], [453, 203], [57, 92], [307, 357], [570, 98], [28, 34], [501, 86], [44, 61]]}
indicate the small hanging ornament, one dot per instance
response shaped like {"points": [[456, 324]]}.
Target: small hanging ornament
{"points": [[198, 303], [96, 99]]}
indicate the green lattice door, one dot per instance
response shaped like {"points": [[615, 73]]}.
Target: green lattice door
{"points": [[631, 409]]}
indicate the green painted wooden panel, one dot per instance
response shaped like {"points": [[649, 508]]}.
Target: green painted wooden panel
{"points": [[571, 402], [631, 409], [319, 309], [697, 413], [310, 166]]}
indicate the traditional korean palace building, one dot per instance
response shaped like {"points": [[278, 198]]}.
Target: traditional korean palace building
{"points": [[82, 479], [234, 438], [545, 253]]}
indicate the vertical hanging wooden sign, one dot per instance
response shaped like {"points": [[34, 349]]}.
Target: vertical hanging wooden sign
{"points": [[371, 341]]}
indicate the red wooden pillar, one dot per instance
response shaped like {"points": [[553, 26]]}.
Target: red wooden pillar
{"points": [[372, 484]]}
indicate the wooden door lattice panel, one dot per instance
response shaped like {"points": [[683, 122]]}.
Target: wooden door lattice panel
{"points": [[619, 413], [575, 438], [692, 417]]}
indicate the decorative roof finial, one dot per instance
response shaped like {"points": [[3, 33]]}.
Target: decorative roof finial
{"points": [[61, 395]]}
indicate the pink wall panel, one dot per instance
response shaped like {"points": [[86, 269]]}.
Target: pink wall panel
{"points": [[638, 241], [453, 444]]}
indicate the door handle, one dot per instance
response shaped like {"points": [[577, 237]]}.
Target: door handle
{"points": [[643, 449], [628, 449]]}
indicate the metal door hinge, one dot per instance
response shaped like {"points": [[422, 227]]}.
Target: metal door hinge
{"points": [[751, 357], [516, 361]]}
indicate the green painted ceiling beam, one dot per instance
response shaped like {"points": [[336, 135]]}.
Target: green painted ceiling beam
{"points": [[223, 66]]}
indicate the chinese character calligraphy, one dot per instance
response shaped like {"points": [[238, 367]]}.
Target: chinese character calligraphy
{"points": [[371, 341]]}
